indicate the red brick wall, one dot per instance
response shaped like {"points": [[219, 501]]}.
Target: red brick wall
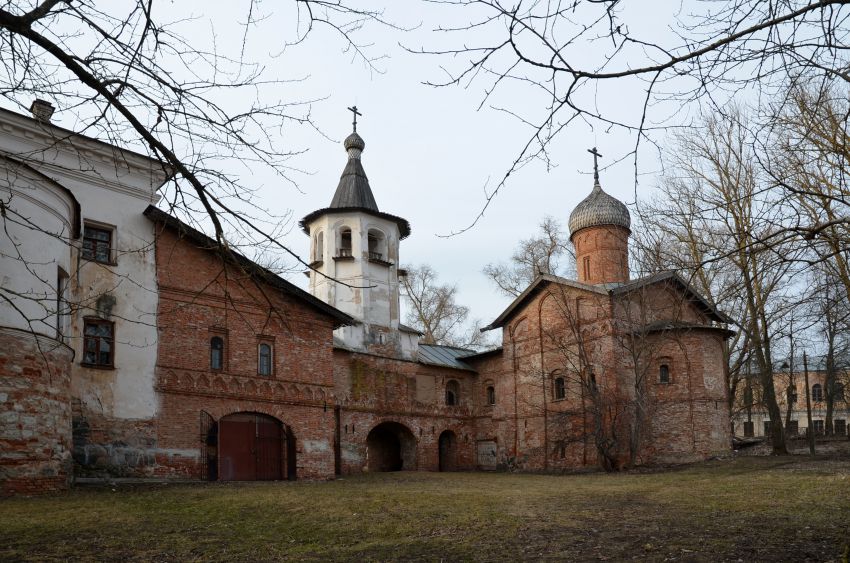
{"points": [[35, 413], [607, 248], [372, 390], [687, 419], [201, 298]]}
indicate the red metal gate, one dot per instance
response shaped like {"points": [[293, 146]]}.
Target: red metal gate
{"points": [[251, 448]]}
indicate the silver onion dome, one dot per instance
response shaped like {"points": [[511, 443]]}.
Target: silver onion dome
{"points": [[597, 209]]}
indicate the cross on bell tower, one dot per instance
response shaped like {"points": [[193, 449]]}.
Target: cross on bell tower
{"points": [[353, 110], [596, 156]]}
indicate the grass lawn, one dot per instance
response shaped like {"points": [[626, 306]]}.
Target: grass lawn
{"points": [[750, 509]]}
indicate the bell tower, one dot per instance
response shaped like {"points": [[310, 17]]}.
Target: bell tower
{"points": [[354, 255], [599, 230]]}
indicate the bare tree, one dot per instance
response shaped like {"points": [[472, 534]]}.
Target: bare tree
{"points": [[434, 311], [132, 78], [725, 231], [573, 60], [806, 152], [547, 252]]}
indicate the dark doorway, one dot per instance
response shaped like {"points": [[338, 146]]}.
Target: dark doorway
{"points": [[254, 447], [448, 451], [391, 447]]}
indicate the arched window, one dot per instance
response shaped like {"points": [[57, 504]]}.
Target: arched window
{"points": [[559, 388], [452, 393], [345, 242], [664, 373], [377, 248], [491, 395], [264, 359], [817, 392], [319, 250], [216, 352]]}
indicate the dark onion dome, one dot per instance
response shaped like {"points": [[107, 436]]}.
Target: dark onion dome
{"points": [[353, 192], [598, 209], [354, 141]]}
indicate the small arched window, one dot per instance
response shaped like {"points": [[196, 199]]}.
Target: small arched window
{"points": [[319, 251], [452, 393], [817, 392], [264, 359], [560, 389], [216, 352], [345, 242], [491, 395], [664, 373]]}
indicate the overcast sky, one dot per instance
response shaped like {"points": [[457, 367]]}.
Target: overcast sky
{"points": [[430, 152]]}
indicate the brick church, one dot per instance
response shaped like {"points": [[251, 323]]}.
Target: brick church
{"points": [[145, 351]]}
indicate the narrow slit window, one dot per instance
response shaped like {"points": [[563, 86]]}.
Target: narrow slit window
{"points": [[216, 353], [664, 373], [264, 364], [491, 395]]}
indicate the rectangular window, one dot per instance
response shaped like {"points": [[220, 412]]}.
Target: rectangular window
{"points": [[840, 426], [767, 428], [748, 429], [818, 424], [97, 244], [98, 343]]}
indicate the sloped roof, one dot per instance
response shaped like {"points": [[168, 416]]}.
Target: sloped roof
{"points": [[483, 354], [203, 241], [444, 356], [675, 279], [353, 192], [540, 282], [353, 189], [405, 328], [667, 326], [543, 280]]}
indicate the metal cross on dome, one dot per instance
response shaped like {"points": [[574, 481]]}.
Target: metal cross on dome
{"points": [[353, 110], [596, 156]]}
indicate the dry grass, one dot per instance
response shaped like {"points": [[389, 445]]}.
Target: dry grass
{"points": [[750, 509]]}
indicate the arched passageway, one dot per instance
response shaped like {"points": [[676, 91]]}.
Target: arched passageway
{"points": [[255, 447], [391, 447], [448, 451]]}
